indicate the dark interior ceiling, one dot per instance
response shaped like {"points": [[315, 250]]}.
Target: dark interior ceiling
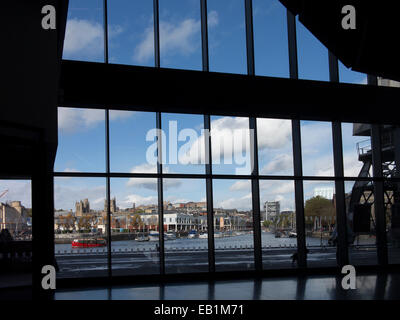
{"points": [[371, 48]]}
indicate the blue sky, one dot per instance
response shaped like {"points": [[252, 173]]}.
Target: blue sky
{"points": [[82, 131]]}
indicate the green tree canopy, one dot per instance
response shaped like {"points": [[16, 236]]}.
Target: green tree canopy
{"points": [[319, 206]]}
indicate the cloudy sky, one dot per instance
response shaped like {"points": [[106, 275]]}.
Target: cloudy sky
{"points": [[82, 132]]}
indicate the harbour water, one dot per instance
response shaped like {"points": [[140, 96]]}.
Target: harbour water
{"points": [[237, 241]]}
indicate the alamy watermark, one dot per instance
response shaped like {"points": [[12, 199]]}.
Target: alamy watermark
{"points": [[229, 146]]}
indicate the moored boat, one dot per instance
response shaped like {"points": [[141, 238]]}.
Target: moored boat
{"points": [[88, 243]]}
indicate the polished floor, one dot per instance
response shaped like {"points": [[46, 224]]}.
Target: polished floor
{"points": [[368, 287]]}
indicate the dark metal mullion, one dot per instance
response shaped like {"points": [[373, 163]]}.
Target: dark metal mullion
{"points": [[107, 116], [160, 195], [292, 45], [209, 194], [255, 188], [156, 19], [255, 191], [299, 195], [333, 68], [249, 37], [342, 255], [207, 144], [204, 35], [341, 218], [296, 136], [379, 205]]}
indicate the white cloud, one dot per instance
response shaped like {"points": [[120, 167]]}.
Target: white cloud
{"points": [[151, 183], [272, 134], [137, 200], [280, 163], [86, 38], [240, 203], [70, 170], [175, 38], [240, 185], [83, 37], [74, 120]]}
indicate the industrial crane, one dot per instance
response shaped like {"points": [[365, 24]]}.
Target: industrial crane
{"points": [[3, 193]]}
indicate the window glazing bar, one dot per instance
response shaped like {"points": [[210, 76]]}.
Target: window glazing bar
{"points": [[299, 195], [209, 195], [204, 35], [255, 190], [249, 36], [156, 19], [341, 217], [292, 45], [379, 206], [107, 123], [160, 195], [333, 68]]}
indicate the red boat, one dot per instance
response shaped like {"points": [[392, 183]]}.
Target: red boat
{"points": [[88, 243]]}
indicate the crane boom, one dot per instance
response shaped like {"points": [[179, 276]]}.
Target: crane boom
{"points": [[3, 193]]}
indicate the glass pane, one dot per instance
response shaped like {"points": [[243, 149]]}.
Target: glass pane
{"points": [[227, 36], [312, 55], [81, 140], [275, 151], [357, 154], [84, 34], [320, 223], [15, 233], [130, 32], [278, 224], [361, 222], [230, 143], [80, 227], [133, 144], [233, 225], [183, 143], [134, 226], [180, 37], [316, 148], [270, 38], [347, 75], [185, 226]]}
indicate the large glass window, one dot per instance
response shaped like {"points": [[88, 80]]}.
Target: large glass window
{"points": [[316, 149], [233, 225], [320, 222], [130, 32], [185, 226], [230, 145], [15, 233], [84, 34], [278, 224], [183, 143], [227, 36], [361, 221], [81, 207], [275, 150], [80, 227], [270, 39], [134, 226], [133, 144], [312, 55], [180, 37], [81, 144]]}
